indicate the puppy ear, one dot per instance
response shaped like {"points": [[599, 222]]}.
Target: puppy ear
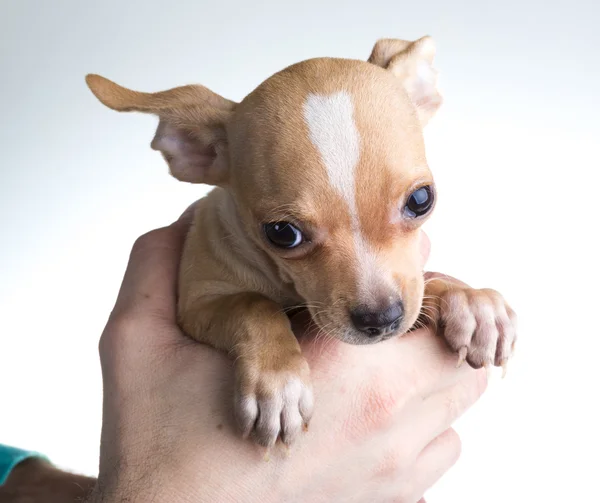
{"points": [[412, 62], [191, 132]]}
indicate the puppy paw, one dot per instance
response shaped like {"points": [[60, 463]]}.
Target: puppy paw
{"points": [[479, 325], [272, 403]]}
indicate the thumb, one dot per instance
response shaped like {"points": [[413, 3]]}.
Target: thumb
{"points": [[150, 280]]}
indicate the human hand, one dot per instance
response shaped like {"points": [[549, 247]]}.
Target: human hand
{"points": [[380, 431]]}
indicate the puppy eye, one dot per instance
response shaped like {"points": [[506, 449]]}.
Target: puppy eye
{"points": [[283, 235], [419, 202]]}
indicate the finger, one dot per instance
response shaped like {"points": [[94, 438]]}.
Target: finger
{"points": [[149, 284], [432, 365], [439, 412], [434, 461], [418, 363]]}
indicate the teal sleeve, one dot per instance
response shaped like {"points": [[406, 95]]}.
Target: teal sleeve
{"points": [[11, 457]]}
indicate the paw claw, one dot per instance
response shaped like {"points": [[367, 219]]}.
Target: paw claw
{"points": [[504, 366], [480, 324], [274, 405], [286, 450], [462, 356]]}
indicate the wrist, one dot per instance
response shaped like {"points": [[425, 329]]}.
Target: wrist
{"points": [[37, 480]]}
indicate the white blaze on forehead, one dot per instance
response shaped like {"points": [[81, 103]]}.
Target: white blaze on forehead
{"points": [[332, 130], [330, 120]]}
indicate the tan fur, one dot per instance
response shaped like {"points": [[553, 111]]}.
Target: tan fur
{"points": [[234, 286]]}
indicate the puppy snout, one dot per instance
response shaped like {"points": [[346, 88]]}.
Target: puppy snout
{"points": [[377, 323]]}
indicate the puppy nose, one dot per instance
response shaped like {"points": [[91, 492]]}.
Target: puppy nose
{"points": [[375, 323]]}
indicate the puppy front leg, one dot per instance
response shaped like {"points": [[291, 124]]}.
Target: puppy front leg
{"points": [[478, 324], [273, 394]]}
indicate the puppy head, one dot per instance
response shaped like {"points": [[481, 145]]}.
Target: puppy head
{"points": [[327, 166]]}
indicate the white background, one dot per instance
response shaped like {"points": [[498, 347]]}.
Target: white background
{"points": [[514, 151]]}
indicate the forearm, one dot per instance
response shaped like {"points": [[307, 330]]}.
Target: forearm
{"points": [[37, 481]]}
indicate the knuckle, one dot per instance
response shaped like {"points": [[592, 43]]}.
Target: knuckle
{"points": [[123, 335], [374, 409], [126, 326], [450, 440], [379, 403], [123, 323], [454, 445], [449, 447], [120, 326], [153, 239], [392, 464], [145, 241]]}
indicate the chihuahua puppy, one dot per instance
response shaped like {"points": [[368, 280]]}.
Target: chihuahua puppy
{"points": [[322, 186]]}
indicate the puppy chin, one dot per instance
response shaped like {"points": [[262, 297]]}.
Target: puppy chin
{"points": [[345, 332], [356, 338], [348, 334]]}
